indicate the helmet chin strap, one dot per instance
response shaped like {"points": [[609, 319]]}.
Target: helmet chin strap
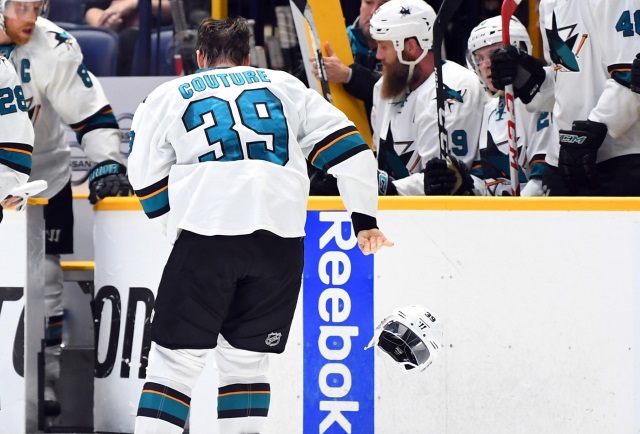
{"points": [[412, 63]]}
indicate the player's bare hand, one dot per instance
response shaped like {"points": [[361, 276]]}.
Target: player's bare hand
{"points": [[372, 240], [337, 72]]}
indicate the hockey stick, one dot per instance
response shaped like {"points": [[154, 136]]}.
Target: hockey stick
{"points": [[305, 9], [445, 13], [507, 11]]}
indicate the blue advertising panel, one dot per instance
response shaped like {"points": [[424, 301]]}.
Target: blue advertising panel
{"points": [[337, 295]]}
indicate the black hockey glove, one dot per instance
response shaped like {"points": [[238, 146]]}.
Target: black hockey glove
{"points": [[447, 177], [512, 66], [108, 178], [578, 152], [635, 74], [385, 184]]}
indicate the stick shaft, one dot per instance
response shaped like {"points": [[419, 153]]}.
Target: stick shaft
{"points": [[507, 11]]}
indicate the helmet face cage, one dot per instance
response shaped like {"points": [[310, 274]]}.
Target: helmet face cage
{"points": [[411, 336], [399, 20], [489, 32]]}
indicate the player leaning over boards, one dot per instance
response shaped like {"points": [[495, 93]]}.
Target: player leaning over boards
{"points": [[218, 158], [58, 88], [16, 140], [533, 130], [590, 45], [405, 117]]}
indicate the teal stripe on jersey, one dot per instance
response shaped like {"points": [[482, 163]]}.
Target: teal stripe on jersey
{"points": [[622, 76], [103, 119], [244, 401], [154, 204], [18, 161], [165, 404], [326, 156], [537, 169]]}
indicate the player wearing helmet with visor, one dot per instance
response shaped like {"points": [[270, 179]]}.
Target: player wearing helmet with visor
{"points": [[534, 130]]}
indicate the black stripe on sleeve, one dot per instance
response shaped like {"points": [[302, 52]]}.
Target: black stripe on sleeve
{"points": [[330, 138], [153, 188], [350, 153]]}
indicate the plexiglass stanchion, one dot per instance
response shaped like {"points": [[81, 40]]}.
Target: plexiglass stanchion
{"points": [[21, 318]]}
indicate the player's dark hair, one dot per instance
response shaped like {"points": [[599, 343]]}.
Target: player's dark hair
{"points": [[224, 40]]}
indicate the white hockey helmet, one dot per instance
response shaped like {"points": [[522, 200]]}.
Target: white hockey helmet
{"points": [[489, 32], [398, 20], [411, 336]]}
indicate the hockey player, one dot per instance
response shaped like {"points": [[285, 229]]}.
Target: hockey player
{"points": [[218, 159], [16, 141], [404, 116], [358, 78], [58, 88], [587, 88], [533, 130]]}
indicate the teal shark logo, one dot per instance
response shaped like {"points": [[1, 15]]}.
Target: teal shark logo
{"points": [[562, 50]]}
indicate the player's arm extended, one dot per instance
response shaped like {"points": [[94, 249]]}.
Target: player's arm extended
{"points": [[150, 161]]}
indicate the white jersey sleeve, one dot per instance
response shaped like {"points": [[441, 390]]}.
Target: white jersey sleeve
{"points": [[222, 152], [59, 89], [544, 100], [16, 142], [591, 44]]}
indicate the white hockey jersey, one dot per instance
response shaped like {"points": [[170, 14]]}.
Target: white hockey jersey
{"points": [[413, 124], [534, 134], [16, 141], [222, 152], [58, 88], [591, 44]]}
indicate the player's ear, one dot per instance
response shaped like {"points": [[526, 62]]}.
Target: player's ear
{"points": [[201, 60], [412, 47]]}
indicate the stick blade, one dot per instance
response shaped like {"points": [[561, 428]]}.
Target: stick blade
{"points": [[506, 12], [509, 7]]}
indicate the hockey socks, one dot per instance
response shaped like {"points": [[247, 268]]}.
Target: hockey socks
{"points": [[162, 410], [243, 408]]}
